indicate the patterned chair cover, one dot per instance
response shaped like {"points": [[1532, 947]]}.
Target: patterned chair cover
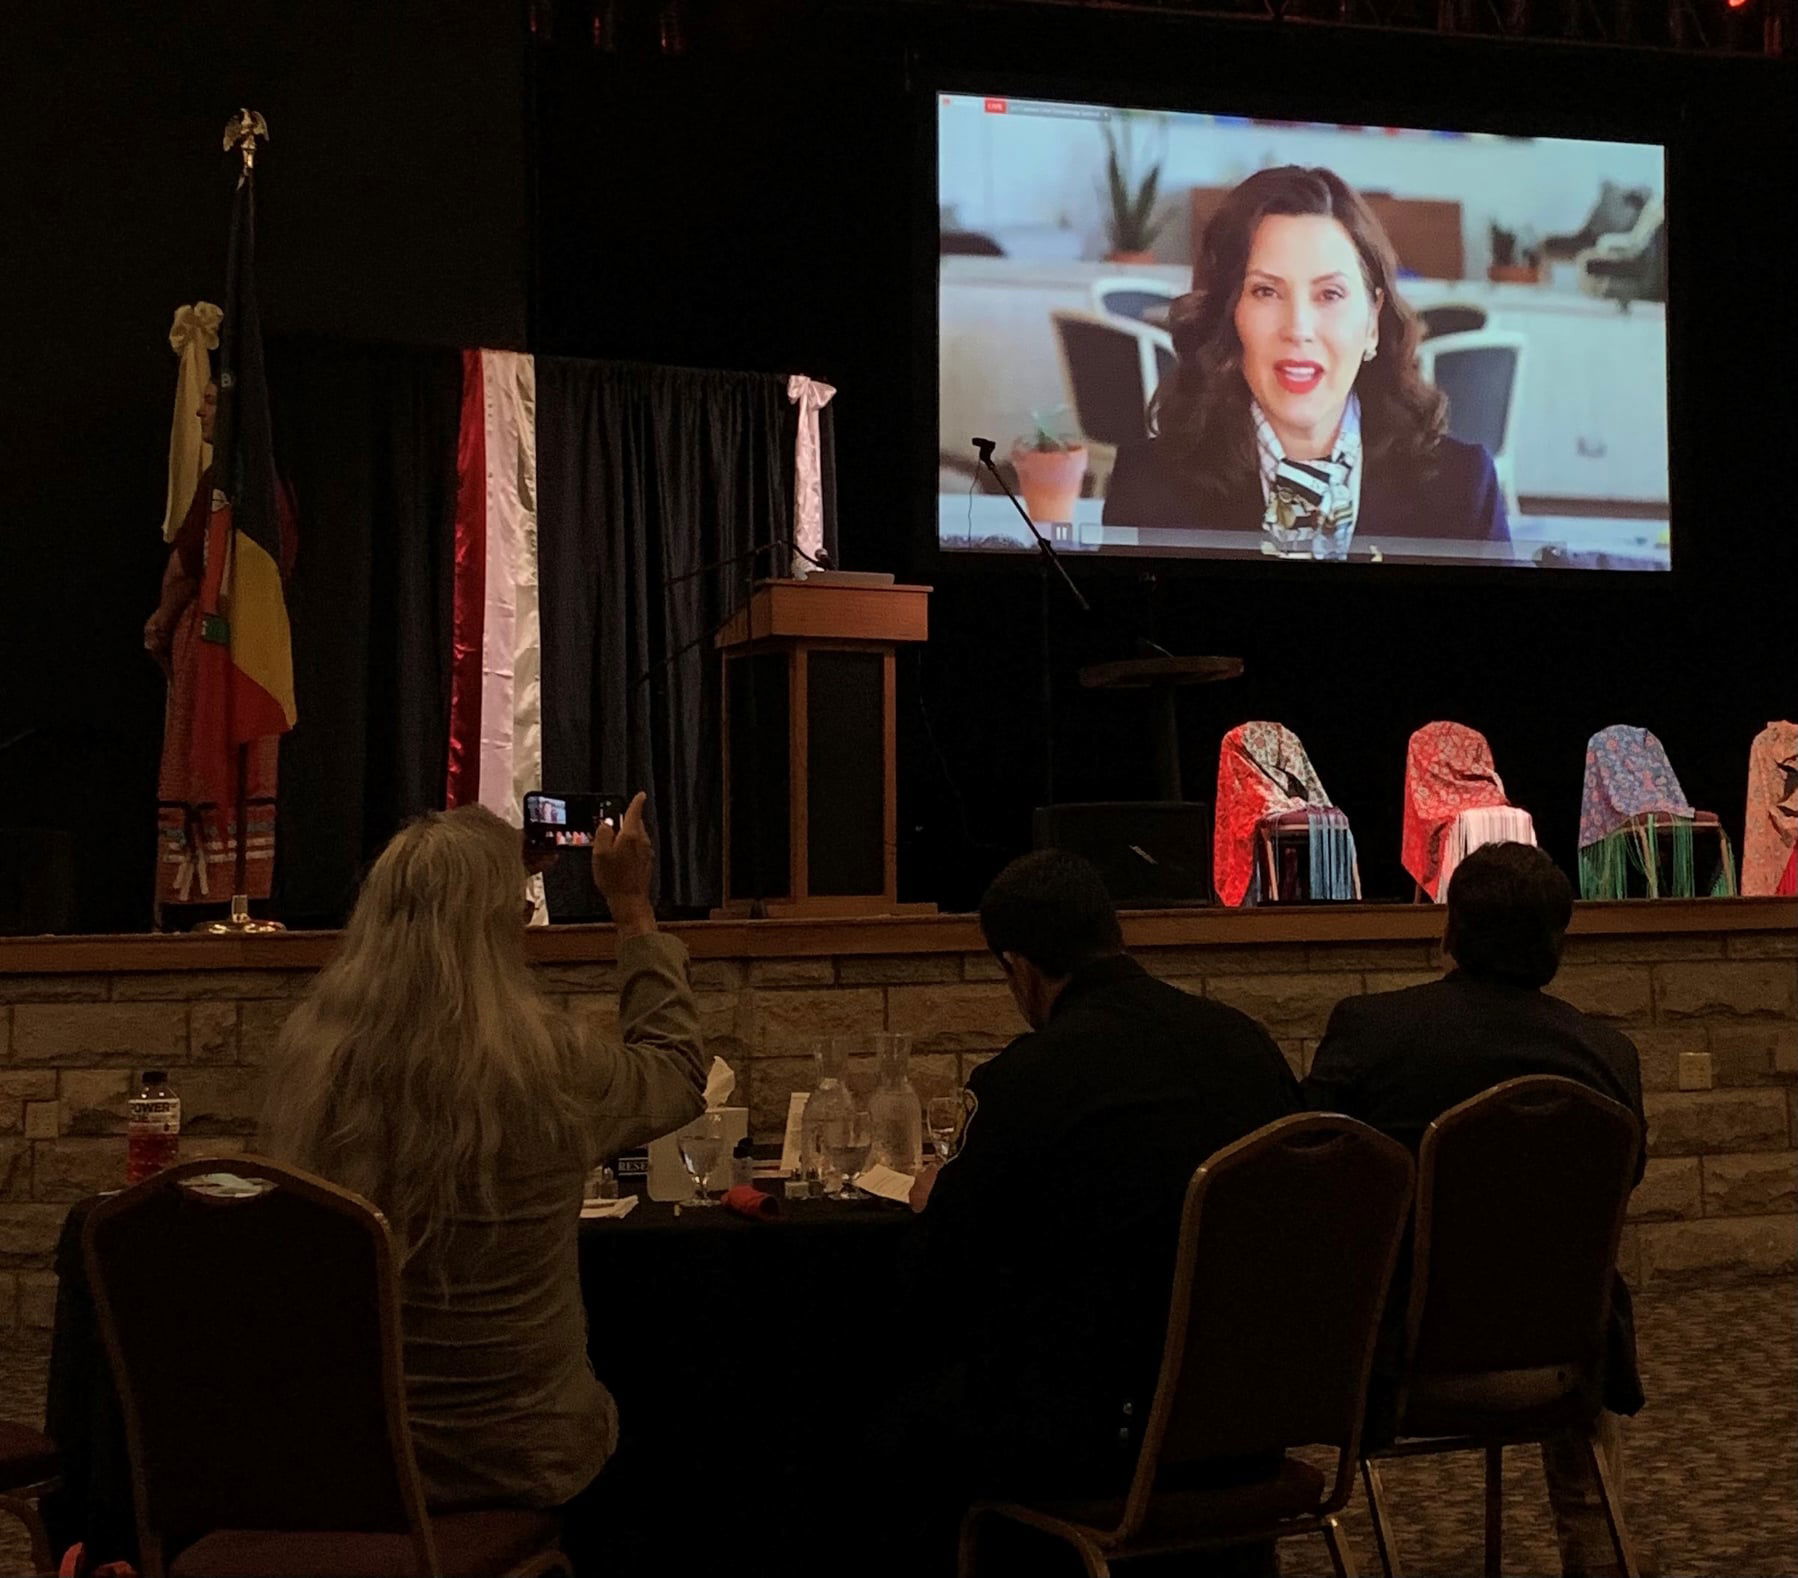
{"points": [[1263, 774], [1454, 802], [1631, 788], [1770, 831]]}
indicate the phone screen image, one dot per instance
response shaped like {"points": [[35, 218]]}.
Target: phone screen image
{"points": [[568, 821]]}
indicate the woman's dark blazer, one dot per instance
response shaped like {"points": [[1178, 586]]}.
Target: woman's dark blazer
{"points": [[1459, 497]]}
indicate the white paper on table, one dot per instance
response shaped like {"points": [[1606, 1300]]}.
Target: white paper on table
{"points": [[598, 1210], [792, 1145], [886, 1182]]}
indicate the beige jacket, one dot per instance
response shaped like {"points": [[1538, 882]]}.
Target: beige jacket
{"points": [[504, 1405]]}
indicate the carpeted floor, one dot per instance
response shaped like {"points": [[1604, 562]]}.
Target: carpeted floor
{"points": [[1711, 1463]]}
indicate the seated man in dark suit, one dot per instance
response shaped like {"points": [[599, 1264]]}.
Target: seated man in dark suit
{"points": [[1049, 1239], [1398, 1060]]}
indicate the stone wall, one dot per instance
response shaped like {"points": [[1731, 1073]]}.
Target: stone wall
{"points": [[1717, 1202]]}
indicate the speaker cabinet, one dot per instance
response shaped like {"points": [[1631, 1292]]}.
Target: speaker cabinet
{"points": [[1152, 854]]}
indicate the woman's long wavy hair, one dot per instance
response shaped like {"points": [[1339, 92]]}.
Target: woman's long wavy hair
{"points": [[1202, 411], [425, 1044]]}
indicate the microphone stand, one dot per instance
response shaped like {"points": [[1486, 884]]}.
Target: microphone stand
{"points": [[1047, 559]]}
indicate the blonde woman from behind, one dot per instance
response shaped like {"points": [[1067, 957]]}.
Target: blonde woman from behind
{"points": [[426, 1070]]}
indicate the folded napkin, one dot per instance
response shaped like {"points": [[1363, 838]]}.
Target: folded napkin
{"points": [[602, 1210], [747, 1200]]}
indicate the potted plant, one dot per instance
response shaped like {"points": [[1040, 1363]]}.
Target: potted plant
{"points": [[1132, 222], [1051, 465], [1511, 265]]}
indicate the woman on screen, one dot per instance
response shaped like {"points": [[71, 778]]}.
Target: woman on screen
{"points": [[1297, 408]]}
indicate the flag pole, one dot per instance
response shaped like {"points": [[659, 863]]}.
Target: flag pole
{"points": [[241, 132]]}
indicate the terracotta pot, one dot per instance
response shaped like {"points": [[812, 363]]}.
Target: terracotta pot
{"points": [[1513, 274], [1129, 257], [1049, 480]]}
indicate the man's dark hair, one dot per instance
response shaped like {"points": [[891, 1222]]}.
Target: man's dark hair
{"points": [[1052, 908], [1508, 909]]}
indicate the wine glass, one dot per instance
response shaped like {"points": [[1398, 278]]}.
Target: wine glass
{"points": [[846, 1139], [943, 1118], [701, 1146]]}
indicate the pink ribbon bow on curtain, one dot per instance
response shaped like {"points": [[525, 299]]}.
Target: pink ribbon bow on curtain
{"points": [[808, 478]]}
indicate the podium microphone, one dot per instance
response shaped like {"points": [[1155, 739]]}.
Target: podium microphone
{"points": [[984, 447]]}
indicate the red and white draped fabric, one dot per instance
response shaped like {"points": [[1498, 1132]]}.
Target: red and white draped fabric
{"points": [[1454, 802], [1770, 832], [811, 397], [496, 703], [1262, 772]]}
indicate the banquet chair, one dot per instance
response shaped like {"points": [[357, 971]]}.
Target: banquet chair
{"points": [[1277, 838], [29, 1471], [1639, 835], [1770, 826], [1287, 1243], [1133, 296], [1521, 1193], [1454, 802], [253, 1331], [1480, 371], [1111, 367]]}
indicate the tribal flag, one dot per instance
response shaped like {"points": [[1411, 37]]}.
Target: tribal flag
{"points": [[242, 605]]}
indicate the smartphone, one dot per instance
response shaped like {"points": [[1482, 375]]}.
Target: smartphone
{"points": [[568, 821]]}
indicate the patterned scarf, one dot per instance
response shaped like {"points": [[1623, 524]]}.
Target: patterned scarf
{"points": [[1311, 504]]}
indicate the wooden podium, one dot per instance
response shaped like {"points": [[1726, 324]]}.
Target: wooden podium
{"points": [[810, 771]]}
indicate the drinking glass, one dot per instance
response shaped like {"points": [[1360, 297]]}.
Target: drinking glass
{"points": [[701, 1146], [943, 1118], [845, 1140]]}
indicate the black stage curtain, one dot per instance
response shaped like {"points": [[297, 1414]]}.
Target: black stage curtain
{"points": [[366, 437], [660, 493]]}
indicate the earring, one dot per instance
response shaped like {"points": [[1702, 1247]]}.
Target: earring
{"points": [[1369, 354]]}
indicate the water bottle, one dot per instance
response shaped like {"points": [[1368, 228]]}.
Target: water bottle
{"points": [[152, 1128], [897, 1117]]}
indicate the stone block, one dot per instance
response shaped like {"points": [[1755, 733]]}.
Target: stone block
{"points": [[212, 1032], [191, 986], [788, 1023], [93, 1100], [219, 1100], [1399, 980], [1763, 945], [42, 1120], [1629, 1256], [1717, 1250], [972, 1060], [772, 1081], [961, 1018], [75, 1169], [1661, 1048], [717, 975], [15, 1169], [1754, 1185], [1269, 959], [109, 1035], [1641, 950], [259, 1028], [28, 1232], [792, 972], [37, 1301], [1618, 992], [1747, 989], [1753, 1054], [1687, 1124], [577, 977], [906, 969], [9, 1301], [1670, 1191], [27, 1085], [982, 967], [1288, 1005], [53, 988], [1297, 1055], [1371, 956]]}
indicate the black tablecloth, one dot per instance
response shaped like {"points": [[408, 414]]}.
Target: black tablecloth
{"points": [[745, 1358]]}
